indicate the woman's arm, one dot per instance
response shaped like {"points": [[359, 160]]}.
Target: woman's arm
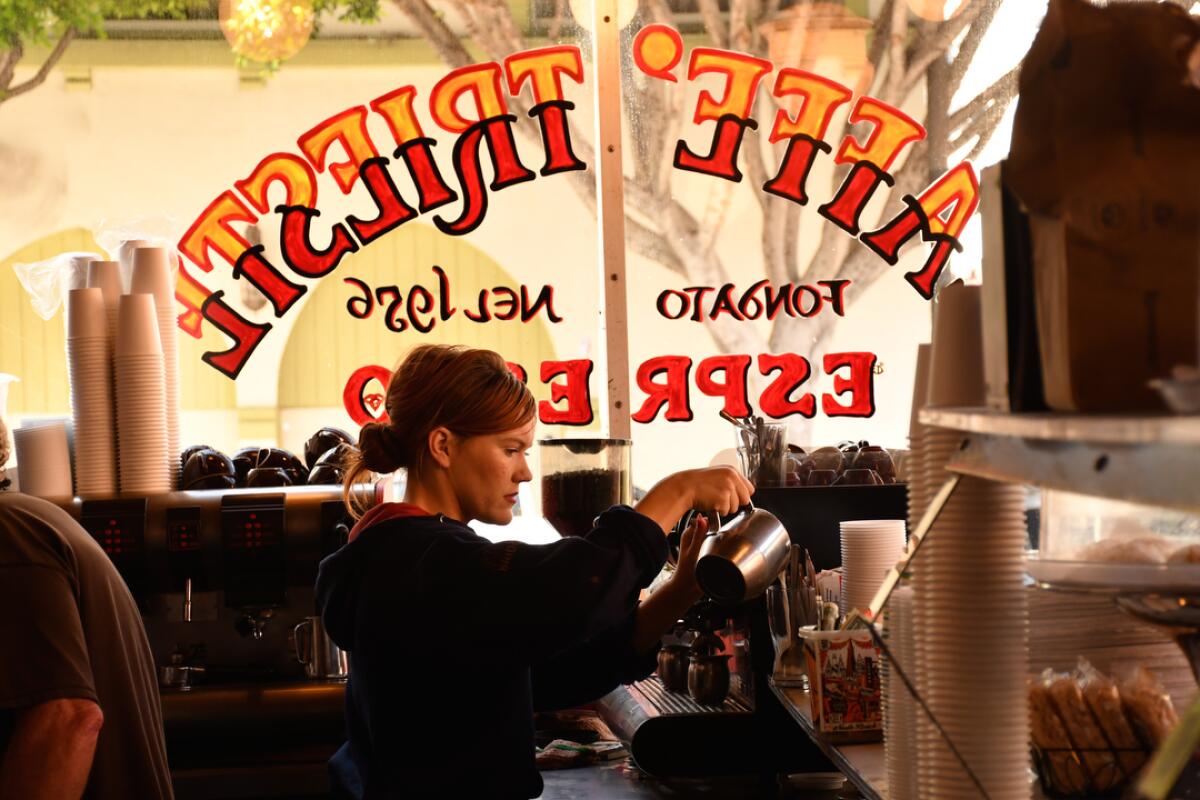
{"points": [[721, 489]]}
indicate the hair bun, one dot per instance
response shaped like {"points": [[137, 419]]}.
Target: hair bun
{"points": [[380, 447]]}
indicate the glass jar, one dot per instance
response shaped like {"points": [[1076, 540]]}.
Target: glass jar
{"points": [[581, 478]]}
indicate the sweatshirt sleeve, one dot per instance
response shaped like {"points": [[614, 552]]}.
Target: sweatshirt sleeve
{"points": [[592, 669], [526, 603]]}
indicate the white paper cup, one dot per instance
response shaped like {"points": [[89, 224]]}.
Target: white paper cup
{"points": [[956, 358], [152, 275], [44, 459], [137, 327], [86, 318]]}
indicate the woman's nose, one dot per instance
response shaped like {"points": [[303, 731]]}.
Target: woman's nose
{"points": [[524, 473]]}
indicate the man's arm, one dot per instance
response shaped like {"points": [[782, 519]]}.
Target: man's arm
{"points": [[50, 753]]}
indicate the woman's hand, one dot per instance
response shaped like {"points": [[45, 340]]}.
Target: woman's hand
{"points": [[721, 489], [693, 536]]}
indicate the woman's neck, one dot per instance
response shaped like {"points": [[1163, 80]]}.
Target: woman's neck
{"points": [[434, 494]]}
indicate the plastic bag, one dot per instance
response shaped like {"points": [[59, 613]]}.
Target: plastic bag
{"points": [[48, 282], [121, 239]]}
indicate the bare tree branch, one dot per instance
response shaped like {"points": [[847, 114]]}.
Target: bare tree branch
{"points": [[436, 32], [710, 12], [937, 41], [882, 36], [555, 28], [791, 242], [739, 16], [1003, 90], [8, 64], [897, 54], [985, 132], [652, 245], [40, 77], [970, 45]]}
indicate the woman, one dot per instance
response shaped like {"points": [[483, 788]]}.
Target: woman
{"points": [[455, 641]]}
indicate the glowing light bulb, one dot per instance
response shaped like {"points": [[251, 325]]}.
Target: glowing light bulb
{"points": [[266, 30]]}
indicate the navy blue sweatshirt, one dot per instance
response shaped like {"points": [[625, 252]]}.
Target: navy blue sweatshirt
{"points": [[455, 641]]}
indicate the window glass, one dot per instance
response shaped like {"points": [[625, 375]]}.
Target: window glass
{"points": [[182, 122]]}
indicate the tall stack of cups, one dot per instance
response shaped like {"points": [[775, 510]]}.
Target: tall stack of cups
{"points": [[89, 367], [969, 611], [900, 711], [918, 490], [141, 399], [106, 276], [152, 275]]}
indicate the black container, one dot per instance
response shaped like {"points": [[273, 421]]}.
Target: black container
{"points": [[811, 513]]}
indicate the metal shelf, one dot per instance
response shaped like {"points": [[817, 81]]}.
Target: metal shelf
{"points": [[862, 764], [1164, 429], [1150, 460]]}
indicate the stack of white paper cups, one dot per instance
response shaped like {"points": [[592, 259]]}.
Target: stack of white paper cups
{"points": [[152, 275], [918, 490], [970, 612], [106, 276], [870, 548], [89, 367], [900, 709], [43, 459], [141, 401]]}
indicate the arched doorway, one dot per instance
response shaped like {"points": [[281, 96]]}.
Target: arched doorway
{"points": [[327, 344]]}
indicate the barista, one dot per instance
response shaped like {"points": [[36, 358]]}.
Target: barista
{"points": [[455, 641]]}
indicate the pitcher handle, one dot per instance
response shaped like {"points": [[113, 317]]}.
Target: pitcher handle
{"points": [[715, 522], [302, 649]]}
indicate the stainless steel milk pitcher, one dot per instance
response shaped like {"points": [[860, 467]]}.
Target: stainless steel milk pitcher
{"points": [[740, 560], [322, 659]]}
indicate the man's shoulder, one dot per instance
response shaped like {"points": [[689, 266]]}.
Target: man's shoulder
{"points": [[33, 530]]}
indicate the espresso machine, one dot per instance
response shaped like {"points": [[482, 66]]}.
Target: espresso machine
{"points": [[252, 690], [673, 736]]}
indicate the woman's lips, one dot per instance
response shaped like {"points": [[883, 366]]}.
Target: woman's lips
{"points": [[512, 498]]}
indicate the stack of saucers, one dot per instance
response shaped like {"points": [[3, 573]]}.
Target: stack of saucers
{"points": [[976, 644], [152, 275], [89, 367], [870, 548], [900, 710], [141, 403]]}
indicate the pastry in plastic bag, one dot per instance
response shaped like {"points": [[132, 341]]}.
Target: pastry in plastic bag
{"points": [[1084, 731], [1188, 554], [1050, 736], [1148, 706], [1134, 550]]}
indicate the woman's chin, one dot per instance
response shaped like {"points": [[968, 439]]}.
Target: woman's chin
{"points": [[502, 517]]}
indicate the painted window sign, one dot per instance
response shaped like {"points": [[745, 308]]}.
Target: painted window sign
{"points": [[342, 147]]}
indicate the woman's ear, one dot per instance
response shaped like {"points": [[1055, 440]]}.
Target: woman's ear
{"points": [[440, 445]]}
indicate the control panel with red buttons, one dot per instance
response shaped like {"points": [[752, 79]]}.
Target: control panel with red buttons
{"points": [[252, 530], [119, 527]]}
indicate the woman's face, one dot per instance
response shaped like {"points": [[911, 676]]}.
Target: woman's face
{"points": [[485, 472]]}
